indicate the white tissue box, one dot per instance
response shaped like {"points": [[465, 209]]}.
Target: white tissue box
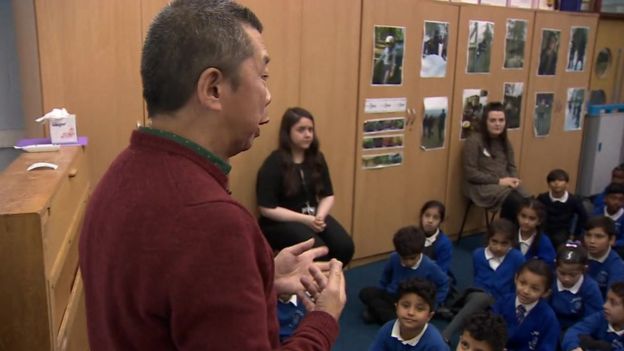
{"points": [[63, 130]]}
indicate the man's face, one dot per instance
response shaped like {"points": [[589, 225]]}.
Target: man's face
{"points": [[245, 108]]}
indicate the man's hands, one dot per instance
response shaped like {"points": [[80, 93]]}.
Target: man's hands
{"points": [[320, 285]]}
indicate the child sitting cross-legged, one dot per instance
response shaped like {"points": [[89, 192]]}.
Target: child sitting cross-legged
{"points": [[407, 262], [411, 330], [531, 322], [483, 331], [605, 266], [602, 330]]}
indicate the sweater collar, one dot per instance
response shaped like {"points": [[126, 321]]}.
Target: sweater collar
{"points": [[198, 149]]}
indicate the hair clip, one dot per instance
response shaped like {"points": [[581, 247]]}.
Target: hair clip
{"points": [[573, 243]]}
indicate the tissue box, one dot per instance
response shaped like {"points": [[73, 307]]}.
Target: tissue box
{"points": [[63, 130]]}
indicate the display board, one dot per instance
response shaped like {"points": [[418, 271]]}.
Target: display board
{"points": [[489, 57], [401, 161], [560, 145]]}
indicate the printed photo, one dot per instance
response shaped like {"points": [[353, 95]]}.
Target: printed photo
{"points": [[512, 102], [549, 52], [382, 142], [382, 160], [515, 41], [434, 51], [480, 38], [388, 47], [382, 125], [543, 113], [474, 102], [434, 122], [578, 45], [574, 109]]}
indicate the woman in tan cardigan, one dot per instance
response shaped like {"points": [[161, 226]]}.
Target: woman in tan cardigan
{"points": [[490, 174]]}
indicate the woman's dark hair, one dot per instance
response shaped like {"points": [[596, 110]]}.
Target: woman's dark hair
{"points": [[503, 226], [540, 211], [433, 204], [539, 267], [312, 156], [572, 252], [485, 135]]}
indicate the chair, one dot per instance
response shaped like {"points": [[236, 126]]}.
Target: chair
{"points": [[489, 216]]}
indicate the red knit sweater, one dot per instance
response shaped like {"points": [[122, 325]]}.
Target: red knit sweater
{"points": [[171, 262]]}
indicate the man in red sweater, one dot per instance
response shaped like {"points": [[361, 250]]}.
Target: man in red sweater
{"points": [[169, 260]]}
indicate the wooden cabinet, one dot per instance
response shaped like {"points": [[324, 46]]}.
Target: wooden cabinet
{"points": [[41, 212]]}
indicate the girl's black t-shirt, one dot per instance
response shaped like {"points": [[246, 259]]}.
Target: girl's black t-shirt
{"points": [[270, 191]]}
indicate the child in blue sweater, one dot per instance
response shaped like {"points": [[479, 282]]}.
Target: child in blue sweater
{"points": [[407, 262], [614, 209], [531, 323], [601, 330], [483, 331], [531, 241], [617, 176], [290, 311], [575, 294], [605, 266], [438, 246], [411, 330], [494, 270]]}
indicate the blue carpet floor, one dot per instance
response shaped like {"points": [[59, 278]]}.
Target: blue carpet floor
{"points": [[355, 335]]}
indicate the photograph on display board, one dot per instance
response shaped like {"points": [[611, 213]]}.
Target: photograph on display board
{"points": [[382, 125], [434, 51], [474, 100], [574, 109], [549, 52], [388, 47], [578, 47], [382, 160], [434, 122], [512, 102], [382, 142], [515, 41], [480, 38], [543, 113]]}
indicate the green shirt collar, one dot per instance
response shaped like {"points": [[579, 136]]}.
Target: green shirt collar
{"points": [[200, 150]]}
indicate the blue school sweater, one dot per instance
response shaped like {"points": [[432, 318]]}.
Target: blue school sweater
{"points": [[394, 273], [538, 331], [597, 327], [543, 249], [619, 226], [608, 272], [570, 307], [431, 340], [442, 252], [497, 282], [289, 317]]}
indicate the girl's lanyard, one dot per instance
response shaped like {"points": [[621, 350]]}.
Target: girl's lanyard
{"points": [[307, 209]]}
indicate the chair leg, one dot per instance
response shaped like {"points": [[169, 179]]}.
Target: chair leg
{"points": [[489, 216], [461, 229]]}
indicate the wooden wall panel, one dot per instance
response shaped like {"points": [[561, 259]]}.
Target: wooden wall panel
{"points": [[89, 56], [282, 37], [28, 53], [493, 82], [329, 81], [560, 149], [609, 35], [389, 198]]}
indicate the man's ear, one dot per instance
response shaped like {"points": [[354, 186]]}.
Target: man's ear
{"points": [[210, 87]]}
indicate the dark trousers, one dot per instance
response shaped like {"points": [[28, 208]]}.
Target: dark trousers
{"points": [[283, 234], [558, 237], [380, 304]]}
